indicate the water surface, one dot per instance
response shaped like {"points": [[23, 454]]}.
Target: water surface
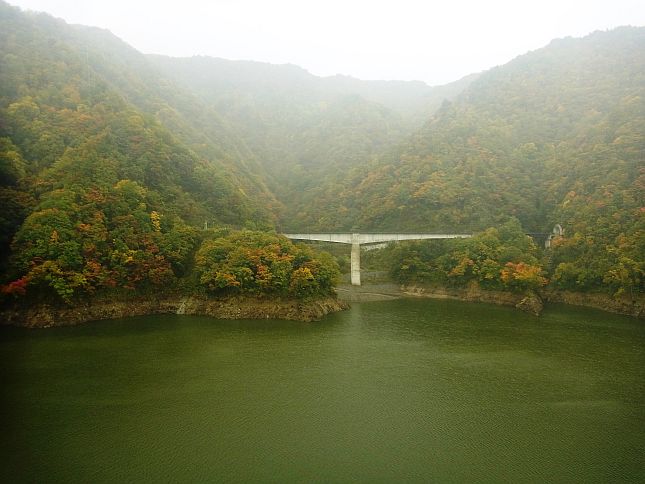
{"points": [[393, 391]]}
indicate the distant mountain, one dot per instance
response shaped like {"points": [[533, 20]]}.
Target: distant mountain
{"points": [[303, 127], [516, 141], [215, 79]]}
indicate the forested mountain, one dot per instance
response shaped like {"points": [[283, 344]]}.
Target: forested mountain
{"points": [[105, 168], [305, 128], [555, 136], [516, 142], [110, 161], [53, 73]]}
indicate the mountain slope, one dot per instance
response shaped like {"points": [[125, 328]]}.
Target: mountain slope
{"points": [[516, 141], [104, 175], [110, 160], [305, 128], [58, 58], [555, 136]]}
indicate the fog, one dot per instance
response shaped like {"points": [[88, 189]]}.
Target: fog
{"points": [[436, 42]]}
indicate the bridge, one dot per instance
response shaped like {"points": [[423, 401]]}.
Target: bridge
{"points": [[356, 240]]}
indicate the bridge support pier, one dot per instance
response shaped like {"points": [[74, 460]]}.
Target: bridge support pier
{"points": [[356, 260], [356, 264], [356, 240]]}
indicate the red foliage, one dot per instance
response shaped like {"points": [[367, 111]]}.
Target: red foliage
{"points": [[16, 288]]}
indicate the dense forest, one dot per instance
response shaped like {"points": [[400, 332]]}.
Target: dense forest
{"points": [[108, 170], [113, 162]]}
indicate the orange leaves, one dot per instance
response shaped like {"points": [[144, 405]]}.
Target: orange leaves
{"points": [[462, 266], [256, 263], [522, 275], [263, 275], [94, 195], [225, 279], [158, 270]]}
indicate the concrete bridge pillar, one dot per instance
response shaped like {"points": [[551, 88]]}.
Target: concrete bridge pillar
{"points": [[356, 240], [356, 261]]}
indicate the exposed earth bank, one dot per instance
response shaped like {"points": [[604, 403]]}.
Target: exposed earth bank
{"points": [[533, 302], [530, 302], [44, 315]]}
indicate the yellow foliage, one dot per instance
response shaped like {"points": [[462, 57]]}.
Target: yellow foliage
{"points": [[155, 217]]}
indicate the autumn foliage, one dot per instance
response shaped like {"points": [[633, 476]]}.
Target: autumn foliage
{"points": [[498, 258], [257, 263], [81, 241]]}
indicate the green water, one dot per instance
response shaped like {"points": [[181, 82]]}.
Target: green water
{"points": [[396, 391]]}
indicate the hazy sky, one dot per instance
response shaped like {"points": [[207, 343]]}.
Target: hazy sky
{"points": [[436, 42]]}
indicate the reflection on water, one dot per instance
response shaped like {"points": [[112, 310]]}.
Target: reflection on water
{"points": [[406, 390]]}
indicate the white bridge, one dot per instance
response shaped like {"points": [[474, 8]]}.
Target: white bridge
{"points": [[356, 240]]}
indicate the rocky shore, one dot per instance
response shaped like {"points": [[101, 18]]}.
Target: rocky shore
{"points": [[533, 302], [624, 304], [45, 315], [474, 293]]}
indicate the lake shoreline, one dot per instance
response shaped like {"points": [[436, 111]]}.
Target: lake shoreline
{"points": [[474, 293], [47, 315], [530, 302], [43, 315]]}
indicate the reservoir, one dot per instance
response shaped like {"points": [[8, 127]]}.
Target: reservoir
{"points": [[390, 391]]}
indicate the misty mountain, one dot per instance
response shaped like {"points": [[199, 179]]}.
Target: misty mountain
{"points": [[63, 69], [554, 136], [302, 126], [515, 142], [106, 164], [215, 79], [111, 158]]}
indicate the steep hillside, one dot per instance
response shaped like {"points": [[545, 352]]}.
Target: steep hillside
{"points": [[104, 175], [289, 117], [555, 136], [69, 66], [515, 142], [306, 129], [110, 160]]}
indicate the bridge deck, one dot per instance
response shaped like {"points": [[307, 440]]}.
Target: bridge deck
{"points": [[361, 239]]}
